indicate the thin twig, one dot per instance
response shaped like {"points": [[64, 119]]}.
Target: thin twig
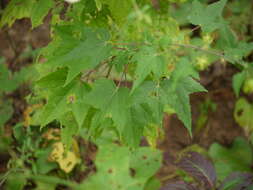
{"points": [[109, 72], [5, 177], [88, 73], [120, 81], [120, 48], [167, 177], [220, 54], [194, 29]]}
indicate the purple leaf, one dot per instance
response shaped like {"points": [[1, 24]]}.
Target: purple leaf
{"points": [[199, 167], [180, 185], [237, 181]]}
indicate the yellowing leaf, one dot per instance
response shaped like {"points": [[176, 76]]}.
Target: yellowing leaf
{"points": [[243, 114], [27, 114], [66, 160]]}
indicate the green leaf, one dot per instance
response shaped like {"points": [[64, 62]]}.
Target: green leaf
{"points": [[112, 101], [7, 84], [15, 182], [11, 81], [153, 184], [119, 9], [101, 93], [239, 51], [176, 91], [43, 186], [43, 166], [80, 110], [62, 100], [236, 158], [208, 17], [119, 108], [145, 162], [16, 9], [6, 112], [39, 11], [147, 61], [82, 54], [114, 163], [237, 82], [54, 79], [228, 38], [69, 130], [98, 4], [133, 131]]}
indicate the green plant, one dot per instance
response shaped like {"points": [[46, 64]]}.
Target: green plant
{"points": [[111, 71], [9, 82], [236, 158]]}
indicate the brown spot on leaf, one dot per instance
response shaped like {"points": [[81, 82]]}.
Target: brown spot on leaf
{"points": [[110, 171]]}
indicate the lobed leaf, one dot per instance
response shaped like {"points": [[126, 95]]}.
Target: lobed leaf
{"points": [[39, 10], [208, 17], [79, 55], [177, 89], [147, 62]]}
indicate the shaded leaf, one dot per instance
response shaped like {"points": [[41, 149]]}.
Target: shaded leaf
{"points": [[6, 112], [43, 166], [39, 10], [238, 80], [199, 167], [181, 185], [236, 158], [16, 9], [11, 81], [237, 181], [15, 182]]}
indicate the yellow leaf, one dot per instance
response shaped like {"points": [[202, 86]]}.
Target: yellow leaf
{"points": [[66, 160]]}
